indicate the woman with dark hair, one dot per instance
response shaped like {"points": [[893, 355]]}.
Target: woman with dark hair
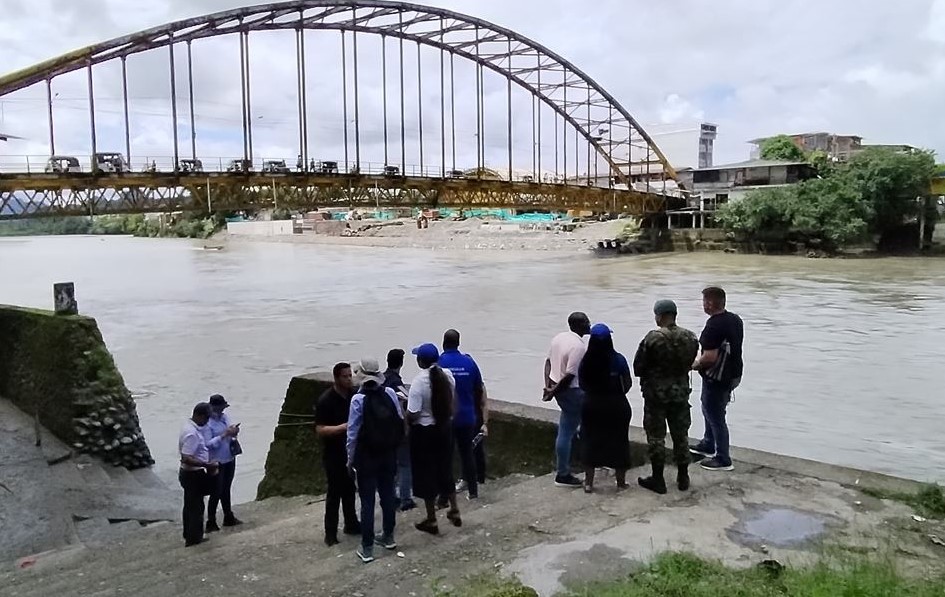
{"points": [[430, 407], [605, 377]]}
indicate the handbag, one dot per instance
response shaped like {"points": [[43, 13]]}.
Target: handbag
{"points": [[235, 448]]}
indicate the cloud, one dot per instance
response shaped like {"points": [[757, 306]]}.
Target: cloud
{"points": [[676, 109], [753, 68]]}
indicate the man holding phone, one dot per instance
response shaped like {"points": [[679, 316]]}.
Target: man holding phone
{"points": [[331, 425]]}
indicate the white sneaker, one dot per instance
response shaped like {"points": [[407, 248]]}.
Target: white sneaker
{"points": [[461, 485]]}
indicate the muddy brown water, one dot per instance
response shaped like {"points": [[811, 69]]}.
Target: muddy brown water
{"points": [[843, 357]]}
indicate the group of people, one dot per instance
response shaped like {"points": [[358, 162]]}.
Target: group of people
{"points": [[384, 439], [590, 384], [381, 438], [208, 447]]}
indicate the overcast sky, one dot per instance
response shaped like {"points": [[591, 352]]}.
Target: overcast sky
{"points": [[873, 68]]}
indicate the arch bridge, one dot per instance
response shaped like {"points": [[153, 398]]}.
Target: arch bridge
{"points": [[579, 148]]}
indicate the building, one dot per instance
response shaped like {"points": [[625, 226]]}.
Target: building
{"points": [[938, 182], [715, 185], [837, 147]]}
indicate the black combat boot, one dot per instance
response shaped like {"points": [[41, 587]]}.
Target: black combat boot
{"points": [[682, 477], [655, 482]]}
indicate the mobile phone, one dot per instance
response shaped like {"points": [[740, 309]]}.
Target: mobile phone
{"points": [[478, 439]]}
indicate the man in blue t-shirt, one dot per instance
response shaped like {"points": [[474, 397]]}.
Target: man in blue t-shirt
{"points": [[472, 411]]}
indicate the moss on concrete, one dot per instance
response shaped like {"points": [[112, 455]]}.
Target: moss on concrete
{"points": [[294, 462], [59, 369]]}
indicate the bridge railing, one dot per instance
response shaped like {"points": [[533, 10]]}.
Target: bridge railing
{"points": [[40, 164]]}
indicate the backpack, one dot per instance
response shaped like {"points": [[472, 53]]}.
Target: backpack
{"points": [[382, 429]]}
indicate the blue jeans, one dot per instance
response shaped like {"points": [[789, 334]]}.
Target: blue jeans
{"points": [[376, 475], [715, 399], [404, 476], [571, 401]]}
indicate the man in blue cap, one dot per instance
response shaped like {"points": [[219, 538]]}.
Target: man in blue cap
{"points": [[663, 362]]}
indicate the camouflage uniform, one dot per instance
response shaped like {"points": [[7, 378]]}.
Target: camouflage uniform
{"points": [[663, 362]]}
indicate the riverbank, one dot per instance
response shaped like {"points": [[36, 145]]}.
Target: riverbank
{"points": [[476, 234], [444, 235], [556, 541]]}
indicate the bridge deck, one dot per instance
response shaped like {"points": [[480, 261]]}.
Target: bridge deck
{"points": [[39, 195]]}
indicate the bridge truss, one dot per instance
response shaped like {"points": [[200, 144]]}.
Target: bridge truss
{"points": [[591, 119], [53, 196]]}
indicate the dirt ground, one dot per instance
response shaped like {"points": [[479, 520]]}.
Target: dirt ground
{"points": [[551, 539]]}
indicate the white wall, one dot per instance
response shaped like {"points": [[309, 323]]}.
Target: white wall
{"points": [[271, 228]]}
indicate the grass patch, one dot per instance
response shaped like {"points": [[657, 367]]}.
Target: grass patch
{"points": [[685, 575], [486, 586], [928, 501]]}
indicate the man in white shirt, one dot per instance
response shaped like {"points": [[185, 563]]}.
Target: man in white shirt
{"points": [[561, 383], [195, 472]]}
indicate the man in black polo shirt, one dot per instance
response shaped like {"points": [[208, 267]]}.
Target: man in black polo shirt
{"points": [[331, 424], [720, 366]]}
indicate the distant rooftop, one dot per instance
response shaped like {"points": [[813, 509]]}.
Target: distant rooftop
{"points": [[752, 164], [762, 139]]}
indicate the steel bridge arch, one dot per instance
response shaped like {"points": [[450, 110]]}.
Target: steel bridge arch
{"points": [[497, 48]]}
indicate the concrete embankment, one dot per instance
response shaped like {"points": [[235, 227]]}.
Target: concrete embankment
{"points": [[552, 539], [74, 465], [58, 369]]}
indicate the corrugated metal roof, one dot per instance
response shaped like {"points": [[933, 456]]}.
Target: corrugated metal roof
{"points": [[753, 164]]}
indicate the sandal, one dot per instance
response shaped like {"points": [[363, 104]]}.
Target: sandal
{"points": [[428, 526], [453, 517]]}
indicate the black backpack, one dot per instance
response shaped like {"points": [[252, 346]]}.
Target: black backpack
{"points": [[382, 429]]}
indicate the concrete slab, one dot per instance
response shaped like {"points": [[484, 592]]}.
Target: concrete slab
{"points": [[551, 538]]}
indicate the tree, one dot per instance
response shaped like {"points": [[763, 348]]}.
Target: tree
{"points": [[781, 147], [877, 192], [891, 182]]}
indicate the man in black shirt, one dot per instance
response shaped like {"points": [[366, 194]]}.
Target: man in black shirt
{"points": [[720, 366], [331, 425], [394, 381]]}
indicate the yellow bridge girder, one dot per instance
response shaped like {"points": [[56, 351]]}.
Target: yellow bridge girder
{"points": [[45, 195]]}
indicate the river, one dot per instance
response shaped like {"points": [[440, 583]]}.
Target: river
{"points": [[843, 357]]}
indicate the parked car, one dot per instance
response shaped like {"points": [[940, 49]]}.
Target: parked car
{"points": [[457, 174], [327, 168], [240, 166], [109, 163], [392, 171], [60, 164], [275, 167], [188, 166]]}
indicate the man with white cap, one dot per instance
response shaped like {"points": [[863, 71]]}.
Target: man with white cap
{"points": [[375, 430]]}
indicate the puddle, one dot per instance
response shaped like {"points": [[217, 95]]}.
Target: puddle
{"points": [[780, 527]]}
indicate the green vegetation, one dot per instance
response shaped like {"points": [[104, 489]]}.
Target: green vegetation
{"points": [[928, 501], [486, 586], [872, 194], [782, 147], [685, 575], [179, 226], [676, 574]]}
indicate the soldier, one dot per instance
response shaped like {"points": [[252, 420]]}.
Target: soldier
{"points": [[662, 363]]}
